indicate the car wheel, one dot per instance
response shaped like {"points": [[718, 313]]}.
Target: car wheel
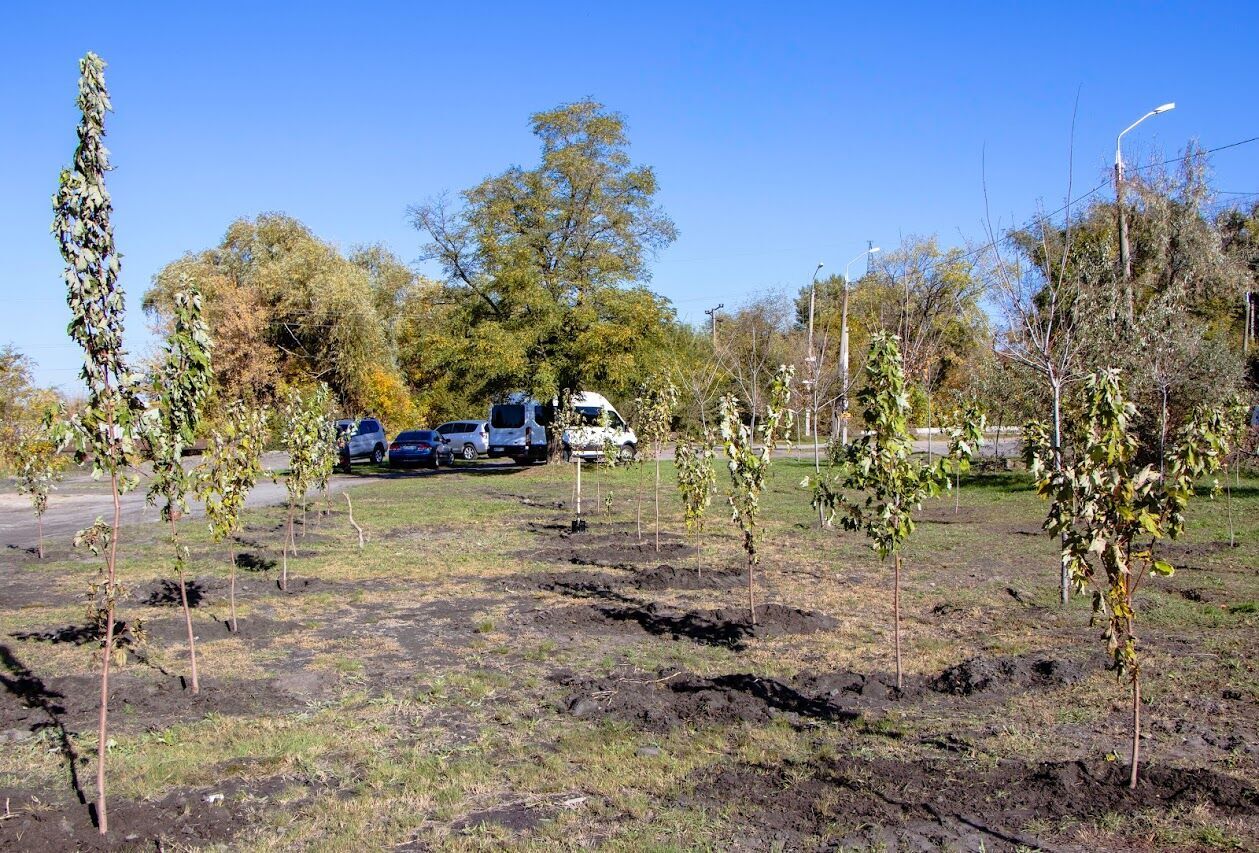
{"points": [[469, 452], [628, 452], [378, 455]]}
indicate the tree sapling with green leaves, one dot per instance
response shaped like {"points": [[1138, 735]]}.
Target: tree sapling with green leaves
{"points": [[231, 468], [1109, 511], [303, 421], [107, 428], [39, 468], [696, 480], [182, 384], [964, 428], [658, 399], [749, 467], [881, 464]]}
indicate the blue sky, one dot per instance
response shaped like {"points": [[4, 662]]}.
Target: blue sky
{"points": [[782, 134]]}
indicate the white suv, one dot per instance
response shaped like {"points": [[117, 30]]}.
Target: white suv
{"points": [[469, 439]]}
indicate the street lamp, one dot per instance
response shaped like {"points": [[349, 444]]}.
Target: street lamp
{"points": [[1124, 255], [843, 348]]}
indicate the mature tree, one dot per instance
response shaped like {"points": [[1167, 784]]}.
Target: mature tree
{"points": [[182, 384], [1109, 510], [286, 308], [112, 419], [538, 260], [16, 395]]}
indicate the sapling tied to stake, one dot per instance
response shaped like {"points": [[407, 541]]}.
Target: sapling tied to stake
{"points": [[964, 429], [39, 468], [231, 468], [749, 466], [696, 481], [327, 448], [880, 463], [182, 385], [112, 418], [1109, 512]]}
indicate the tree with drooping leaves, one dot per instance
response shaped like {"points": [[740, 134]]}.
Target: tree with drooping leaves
{"points": [[696, 480], [749, 466], [39, 468], [656, 402], [232, 466], [183, 384], [1109, 512], [964, 429], [107, 428], [880, 464], [303, 420], [327, 449]]}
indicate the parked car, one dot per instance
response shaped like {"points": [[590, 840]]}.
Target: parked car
{"points": [[600, 424], [361, 439], [420, 447], [469, 439], [518, 428]]}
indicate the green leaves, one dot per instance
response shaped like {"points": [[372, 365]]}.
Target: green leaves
{"points": [[1104, 501], [232, 466], [880, 463], [696, 479], [748, 467]]}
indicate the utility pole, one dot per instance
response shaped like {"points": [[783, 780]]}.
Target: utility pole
{"points": [[712, 320], [810, 428]]}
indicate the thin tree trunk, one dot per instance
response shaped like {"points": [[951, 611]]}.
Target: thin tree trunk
{"points": [[183, 600], [102, 735], [1228, 499], [1064, 576], [39, 521], [957, 489], [1136, 728], [232, 590], [751, 593], [656, 496], [639, 501], [896, 611], [1162, 437], [284, 560]]}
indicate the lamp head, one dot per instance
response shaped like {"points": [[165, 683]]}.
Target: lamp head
{"points": [[872, 251], [1165, 108]]}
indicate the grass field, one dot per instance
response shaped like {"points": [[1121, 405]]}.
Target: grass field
{"points": [[479, 677]]}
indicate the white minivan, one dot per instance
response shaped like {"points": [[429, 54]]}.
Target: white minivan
{"points": [[518, 428], [600, 424]]}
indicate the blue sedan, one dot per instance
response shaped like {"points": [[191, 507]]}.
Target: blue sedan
{"points": [[420, 447]]}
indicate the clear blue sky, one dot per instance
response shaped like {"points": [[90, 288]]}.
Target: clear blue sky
{"points": [[782, 134]]}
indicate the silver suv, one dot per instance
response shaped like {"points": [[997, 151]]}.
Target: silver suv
{"points": [[368, 441], [469, 439]]}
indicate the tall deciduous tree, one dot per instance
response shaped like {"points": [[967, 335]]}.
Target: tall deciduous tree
{"points": [[749, 467], [112, 418], [1109, 511], [880, 464], [182, 384], [538, 261]]}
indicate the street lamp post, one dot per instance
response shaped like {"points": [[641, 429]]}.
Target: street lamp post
{"points": [[843, 348], [1125, 257], [811, 429]]}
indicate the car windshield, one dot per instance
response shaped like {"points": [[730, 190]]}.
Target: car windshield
{"points": [[589, 415], [507, 416]]}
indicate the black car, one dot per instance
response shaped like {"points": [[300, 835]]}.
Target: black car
{"points": [[420, 447]]}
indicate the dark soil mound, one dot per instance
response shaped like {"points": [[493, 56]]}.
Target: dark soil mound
{"points": [[729, 627], [603, 585], [935, 805], [673, 698], [1007, 674]]}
